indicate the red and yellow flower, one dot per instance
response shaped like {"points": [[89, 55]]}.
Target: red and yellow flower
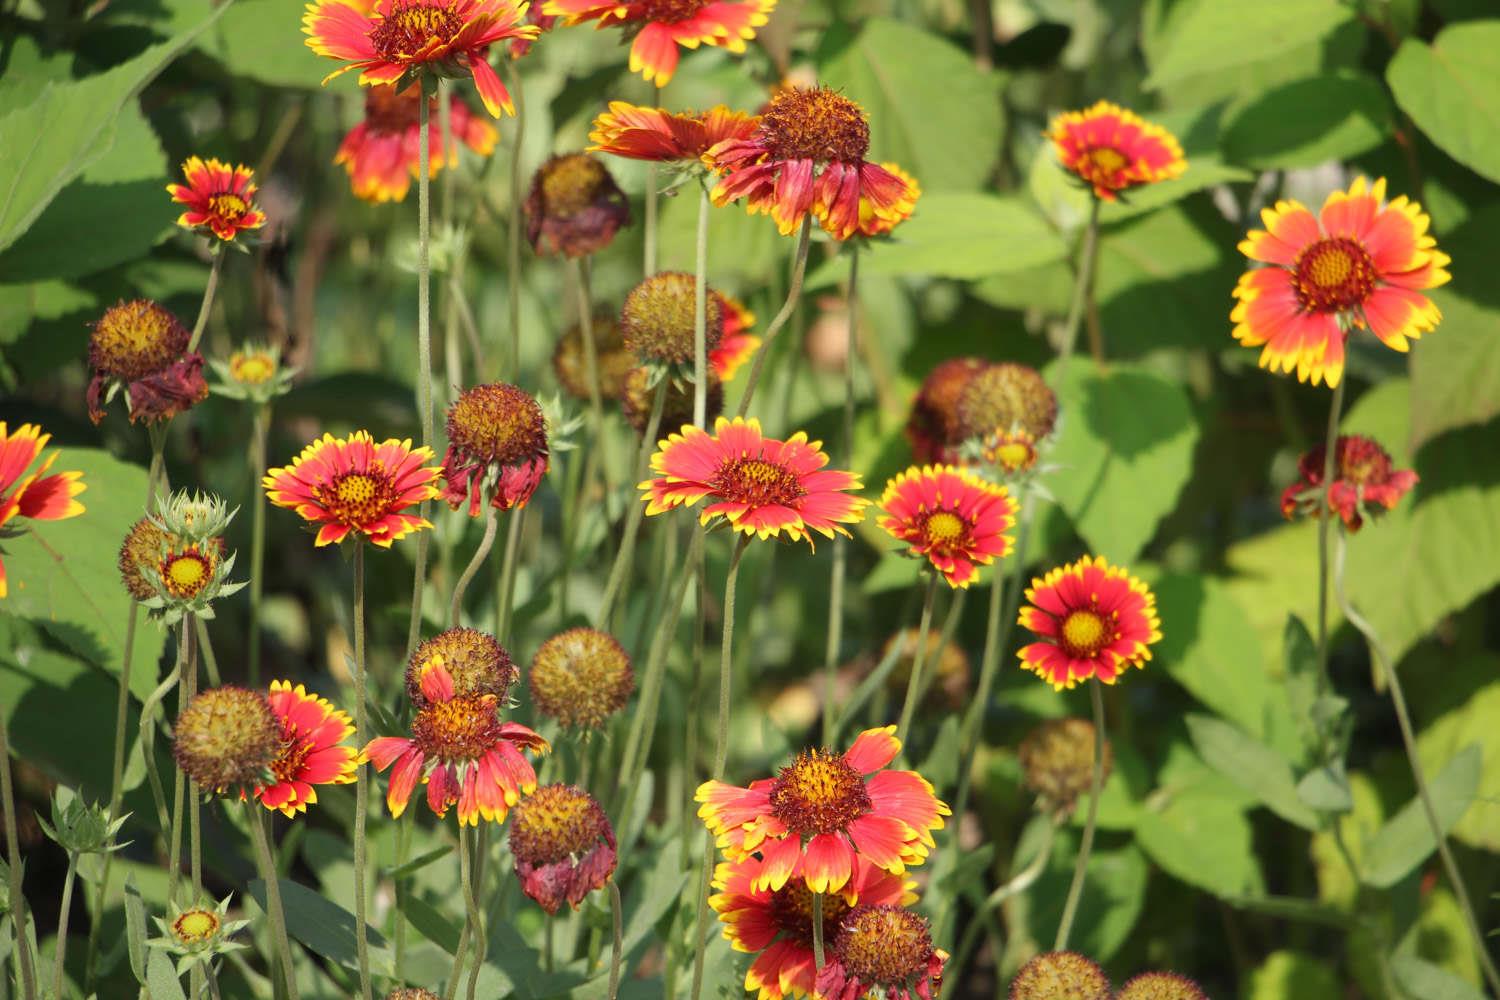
{"points": [[563, 844], [497, 435], [882, 952], [1091, 619], [463, 752], [644, 133], [951, 516], [141, 348], [382, 153], [807, 155], [760, 485], [33, 495], [778, 923], [217, 196], [1111, 149], [355, 485], [1364, 482], [736, 344], [390, 40], [824, 812], [658, 27], [1360, 263], [312, 732]]}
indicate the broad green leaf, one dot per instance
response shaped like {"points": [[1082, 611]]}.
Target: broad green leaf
{"points": [[1423, 979], [1203, 840], [256, 40], [20, 305], [1326, 789], [1252, 765], [136, 929], [1475, 721], [1113, 895], [1124, 432], [1448, 90], [326, 928], [1200, 40], [931, 109], [1331, 117], [1291, 975], [1406, 839]]}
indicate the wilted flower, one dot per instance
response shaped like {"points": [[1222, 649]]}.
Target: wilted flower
{"points": [[475, 660], [1057, 763], [141, 348], [497, 441], [563, 844], [1364, 482], [1005, 397], [1110, 149], [142, 547], [575, 207], [36, 496], [882, 951], [659, 318], [933, 429], [1092, 620], [383, 152], [226, 740], [581, 677], [218, 197]]}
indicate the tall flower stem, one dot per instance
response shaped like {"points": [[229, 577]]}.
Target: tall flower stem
{"points": [[617, 912], [653, 198], [266, 862], [259, 431], [65, 908], [817, 930], [185, 670], [1083, 287], [841, 544], [513, 234], [362, 785], [794, 292], [1418, 772], [18, 908], [403, 851], [507, 596], [700, 311], [918, 661], [473, 919], [1086, 846], [217, 252], [582, 278], [491, 523], [1330, 454], [424, 372], [626, 554]]}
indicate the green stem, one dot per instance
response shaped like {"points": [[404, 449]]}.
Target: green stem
{"points": [[266, 862], [174, 854], [1018, 883], [195, 804], [1096, 782], [794, 292], [205, 652], [1330, 453], [700, 312], [424, 364], [208, 297], [258, 435], [841, 544], [403, 851], [653, 198], [1083, 287], [13, 859], [582, 274], [65, 909], [817, 931], [918, 661], [617, 911], [147, 739], [362, 785], [513, 236], [491, 522], [508, 573], [473, 919], [626, 554]]}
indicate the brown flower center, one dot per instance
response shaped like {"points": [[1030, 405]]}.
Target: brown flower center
{"points": [[1333, 275], [1361, 461], [817, 124], [1004, 397], [135, 339], [945, 529], [581, 677], [670, 11], [758, 483], [413, 25], [883, 946], [554, 824], [571, 184], [195, 926], [819, 793], [463, 729], [357, 498], [142, 548], [497, 424], [1085, 633], [1057, 761], [228, 206], [295, 746], [1100, 164]]}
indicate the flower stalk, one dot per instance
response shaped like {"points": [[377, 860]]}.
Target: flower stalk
{"points": [[217, 253], [1086, 846], [1083, 288], [491, 523], [362, 784], [424, 359], [513, 233], [18, 909], [259, 432], [621, 567], [266, 862], [918, 661], [794, 292], [840, 544]]}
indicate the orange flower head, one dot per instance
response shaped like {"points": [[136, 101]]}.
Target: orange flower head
{"points": [[353, 485], [1364, 481], [933, 429], [497, 434], [563, 844], [659, 27], [612, 359], [459, 746], [677, 408], [141, 348], [759, 485], [1112, 150], [218, 197], [391, 40], [884, 951], [475, 660], [1091, 620], [947, 661], [823, 812], [226, 739], [1160, 986], [950, 516], [1360, 263], [1057, 763], [34, 495], [1006, 397], [580, 678], [141, 549], [685, 137], [575, 207], [1060, 974], [737, 344], [311, 751], [382, 153], [1012, 452], [659, 315], [807, 155]]}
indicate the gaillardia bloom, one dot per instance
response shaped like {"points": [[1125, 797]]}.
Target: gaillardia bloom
{"points": [[643, 133], [933, 429], [1055, 974], [143, 545], [950, 516], [254, 373], [226, 739], [354, 485], [808, 155], [612, 359], [1360, 262], [395, 40], [1111, 149], [736, 344], [658, 27], [497, 438], [563, 844], [1005, 397], [459, 746], [1012, 452], [218, 197], [882, 951], [1160, 986], [310, 754], [575, 207], [475, 661], [760, 485], [825, 811], [1057, 763], [660, 314], [1092, 619], [779, 925], [141, 348], [36, 495], [382, 153], [580, 678], [1364, 482], [198, 935]]}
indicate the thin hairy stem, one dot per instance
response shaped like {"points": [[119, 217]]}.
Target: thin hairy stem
{"points": [[617, 912], [491, 523], [840, 570], [1330, 455], [208, 297], [266, 862], [700, 312], [513, 234], [1084, 285], [794, 292], [258, 434], [625, 556], [918, 661], [65, 908], [362, 784], [508, 573], [582, 280], [1086, 846], [424, 368], [817, 931]]}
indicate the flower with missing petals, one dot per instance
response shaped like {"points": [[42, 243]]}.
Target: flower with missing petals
{"points": [[383, 152], [226, 739], [353, 485], [1091, 619], [933, 429], [198, 934], [497, 438], [657, 27], [34, 495], [1055, 974], [1005, 397], [140, 348], [1110, 149], [1160, 986], [882, 952], [1364, 482], [575, 207], [581, 677], [475, 660], [951, 517], [612, 359], [254, 373], [659, 317], [218, 197], [1057, 763], [142, 546], [563, 844]]}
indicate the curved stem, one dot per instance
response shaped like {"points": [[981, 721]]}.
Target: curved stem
{"points": [[473, 919], [147, 739], [261, 429], [513, 234], [508, 574], [794, 292], [491, 522], [266, 862], [1083, 287], [817, 931], [626, 554], [841, 544], [617, 911], [13, 861], [64, 910], [116, 790], [362, 785], [700, 312], [424, 364], [217, 252], [1086, 846], [918, 660]]}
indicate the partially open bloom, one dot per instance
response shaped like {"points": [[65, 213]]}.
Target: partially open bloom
{"points": [[218, 197], [395, 40], [382, 153], [33, 495], [882, 951], [1160, 986], [1057, 763], [736, 344], [759, 485], [199, 934], [1111, 149], [187, 576], [778, 924], [612, 359], [1012, 452], [950, 516], [581, 677], [141, 348], [475, 661], [808, 155], [311, 752], [1361, 262], [1092, 620], [826, 810], [645, 133], [254, 373], [462, 750], [660, 314], [497, 440], [563, 844], [1056, 974], [226, 739], [575, 207], [658, 27], [1364, 482], [933, 429], [354, 485]]}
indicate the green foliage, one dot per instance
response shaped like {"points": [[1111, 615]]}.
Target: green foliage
{"points": [[1446, 89], [1195, 39], [1405, 841], [1310, 121]]}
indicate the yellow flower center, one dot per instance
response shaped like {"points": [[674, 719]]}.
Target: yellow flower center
{"points": [[758, 483], [792, 907], [462, 729], [884, 946], [1333, 275], [554, 824], [819, 793], [187, 572], [252, 369], [135, 339], [196, 926], [1100, 165], [412, 25], [357, 498], [1084, 633], [818, 124], [944, 527], [227, 205]]}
